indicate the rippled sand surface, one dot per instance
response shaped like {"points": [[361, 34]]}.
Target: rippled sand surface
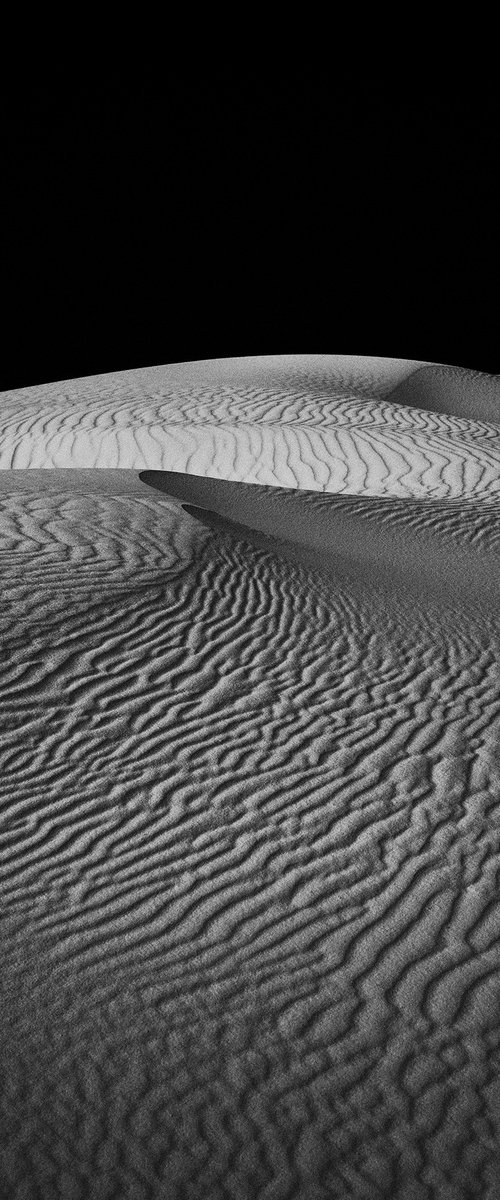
{"points": [[250, 783]]}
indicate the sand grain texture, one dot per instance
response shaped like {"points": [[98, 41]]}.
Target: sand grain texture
{"points": [[250, 783]]}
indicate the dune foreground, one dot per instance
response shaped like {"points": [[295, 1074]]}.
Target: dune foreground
{"points": [[250, 783]]}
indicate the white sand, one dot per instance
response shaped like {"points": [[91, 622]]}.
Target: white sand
{"points": [[250, 784], [323, 423]]}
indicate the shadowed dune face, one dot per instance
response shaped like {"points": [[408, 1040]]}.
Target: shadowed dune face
{"points": [[425, 548], [249, 835], [440, 389]]}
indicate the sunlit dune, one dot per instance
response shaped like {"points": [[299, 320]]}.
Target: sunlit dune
{"points": [[250, 782]]}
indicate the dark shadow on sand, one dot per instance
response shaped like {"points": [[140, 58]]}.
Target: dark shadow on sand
{"points": [[451, 390], [314, 530]]}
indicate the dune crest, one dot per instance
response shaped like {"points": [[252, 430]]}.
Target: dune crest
{"points": [[324, 423]]}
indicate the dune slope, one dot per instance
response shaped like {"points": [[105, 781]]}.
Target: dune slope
{"points": [[315, 422], [250, 815]]}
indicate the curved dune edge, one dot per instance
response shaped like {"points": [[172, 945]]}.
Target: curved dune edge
{"points": [[337, 537], [442, 389], [370, 374]]}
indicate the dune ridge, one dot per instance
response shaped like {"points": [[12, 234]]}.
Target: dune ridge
{"points": [[336, 535], [440, 389], [249, 803], [344, 432]]}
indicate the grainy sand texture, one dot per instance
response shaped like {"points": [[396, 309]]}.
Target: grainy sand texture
{"points": [[250, 783]]}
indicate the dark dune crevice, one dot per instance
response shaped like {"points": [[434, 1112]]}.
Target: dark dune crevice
{"points": [[329, 534], [442, 389]]}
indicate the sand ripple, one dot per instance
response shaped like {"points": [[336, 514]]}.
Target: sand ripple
{"points": [[355, 431], [250, 833]]}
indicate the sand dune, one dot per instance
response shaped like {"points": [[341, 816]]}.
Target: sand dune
{"points": [[441, 389], [342, 430], [250, 785], [391, 544]]}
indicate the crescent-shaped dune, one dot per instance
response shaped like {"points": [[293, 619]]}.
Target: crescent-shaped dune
{"points": [[250, 783]]}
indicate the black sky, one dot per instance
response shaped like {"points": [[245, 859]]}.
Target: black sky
{"points": [[150, 220]]}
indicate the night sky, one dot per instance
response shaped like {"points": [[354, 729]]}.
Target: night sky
{"points": [[161, 220]]}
